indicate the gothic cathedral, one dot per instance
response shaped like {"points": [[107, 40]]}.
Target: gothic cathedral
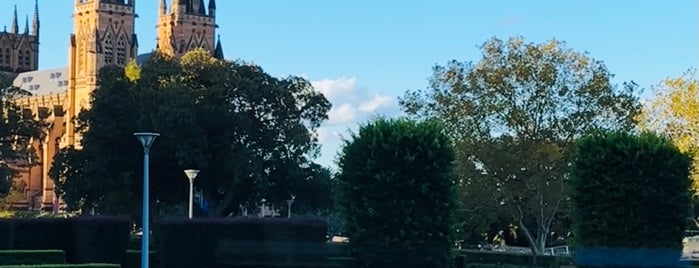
{"points": [[103, 34]]}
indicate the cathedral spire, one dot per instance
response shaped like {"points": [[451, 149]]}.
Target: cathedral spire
{"points": [[35, 22], [15, 27], [202, 8], [26, 25], [163, 7], [212, 8], [218, 52]]}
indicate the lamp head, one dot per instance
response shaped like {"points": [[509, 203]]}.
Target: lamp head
{"points": [[191, 173], [146, 138]]}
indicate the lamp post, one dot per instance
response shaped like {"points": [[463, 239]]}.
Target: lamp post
{"points": [[146, 139], [191, 174], [289, 202]]}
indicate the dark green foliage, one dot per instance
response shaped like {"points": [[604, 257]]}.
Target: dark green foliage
{"points": [[99, 239], [16, 133], [42, 233], [468, 257], [6, 236], [132, 259], [631, 198], [193, 243], [86, 265], [251, 135], [27, 257], [396, 193]]}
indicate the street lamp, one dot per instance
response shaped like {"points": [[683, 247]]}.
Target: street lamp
{"points": [[288, 204], [191, 174], [146, 139]]}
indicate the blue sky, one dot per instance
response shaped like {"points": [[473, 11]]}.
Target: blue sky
{"points": [[363, 54]]}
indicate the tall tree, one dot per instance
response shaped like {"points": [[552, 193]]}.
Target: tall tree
{"points": [[675, 112], [18, 128], [251, 135], [514, 115]]}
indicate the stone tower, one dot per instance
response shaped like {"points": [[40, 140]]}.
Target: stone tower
{"points": [[103, 34], [19, 51], [187, 25]]}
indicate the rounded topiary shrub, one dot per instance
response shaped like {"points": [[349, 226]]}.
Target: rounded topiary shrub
{"points": [[396, 193], [631, 197]]}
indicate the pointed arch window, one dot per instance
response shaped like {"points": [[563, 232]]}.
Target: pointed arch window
{"points": [[27, 58], [108, 49], [121, 50], [20, 60], [7, 56]]}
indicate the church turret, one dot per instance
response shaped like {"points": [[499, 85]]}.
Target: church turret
{"points": [[35, 21], [212, 8], [15, 27], [104, 34], [218, 52], [187, 26], [163, 7], [26, 25], [202, 8]]}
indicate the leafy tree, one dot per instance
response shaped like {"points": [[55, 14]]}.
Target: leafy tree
{"points": [[675, 112], [251, 135], [396, 193], [18, 128], [631, 196], [514, 115]]}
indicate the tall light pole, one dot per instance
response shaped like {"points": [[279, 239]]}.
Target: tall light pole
{"points": [[191, 174], [289, 202], [146, 139]]}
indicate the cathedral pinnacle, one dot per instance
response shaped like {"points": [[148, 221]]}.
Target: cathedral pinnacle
{"points": [[35, 22], [15, 27]]}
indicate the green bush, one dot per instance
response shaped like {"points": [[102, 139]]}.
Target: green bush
{"points": [[193, 243], [99, 239], [41, 233], [31, 257], [396, 193], [630, 196]]}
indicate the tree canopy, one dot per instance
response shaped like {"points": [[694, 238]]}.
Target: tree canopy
{"points": [[251, 135], [18, 128], [514, 115], [675, 112]]}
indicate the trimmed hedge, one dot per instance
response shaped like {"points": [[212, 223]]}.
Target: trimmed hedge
{"points": [[41, 233], [26, 257], [99, 239], [132, 259], [84, 240], [86, 265], [193, 243], [631, 198], [396, 193], [467, 257], [6, 234]]}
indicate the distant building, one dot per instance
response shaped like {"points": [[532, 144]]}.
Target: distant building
{"points": [[103, 34]]}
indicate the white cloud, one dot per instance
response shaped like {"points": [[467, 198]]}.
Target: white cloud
{"points": [[352, 104], [334, 88], [345, 113], [377, 102]]}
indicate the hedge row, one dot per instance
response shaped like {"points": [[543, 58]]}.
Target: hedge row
{"points": [[31, 257], [84, 239], [86, 265], [193, 243], [468, 257]]}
